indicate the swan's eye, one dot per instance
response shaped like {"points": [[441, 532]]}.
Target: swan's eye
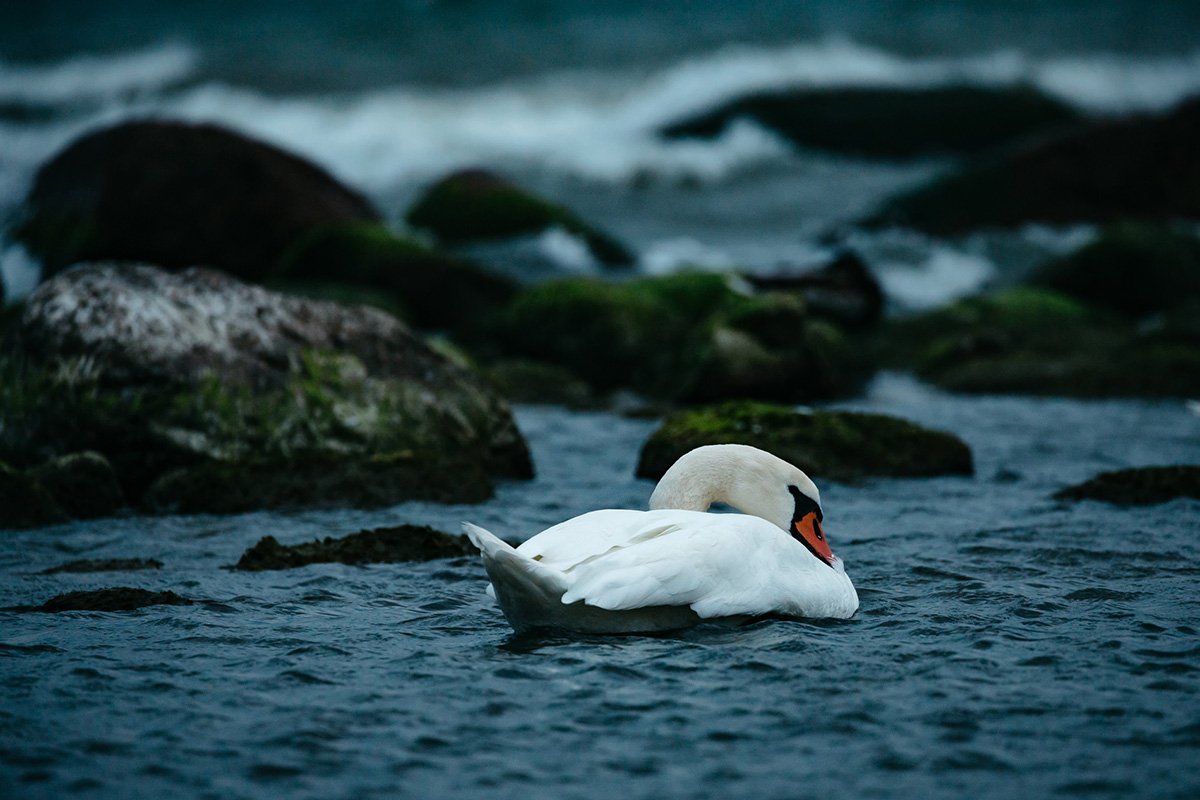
{"points": [[817, 530]]}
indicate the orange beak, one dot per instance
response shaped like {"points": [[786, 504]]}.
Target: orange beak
{"points": [[808, 530]]}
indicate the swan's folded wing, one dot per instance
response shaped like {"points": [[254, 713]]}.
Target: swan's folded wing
{"points": [[720, 568]]}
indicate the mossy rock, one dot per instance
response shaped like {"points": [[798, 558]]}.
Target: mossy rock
{"points": [[359, 480], [379, 546], [1135, 269], [535, 382], [1142, 167], [431, 289], [25, 503], [832, 445], [119, 598], [684, 338], [1138, 487], [1035, 341], [84, 484], [477, 205], [892, 122]]}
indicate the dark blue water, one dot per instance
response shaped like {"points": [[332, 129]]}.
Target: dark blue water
{"points": [[1007, 645]]}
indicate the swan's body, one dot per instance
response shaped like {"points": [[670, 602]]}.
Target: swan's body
{"points": [[616, 571]]}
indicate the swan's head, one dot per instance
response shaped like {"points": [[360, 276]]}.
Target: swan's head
{"points": [[754, 482]]}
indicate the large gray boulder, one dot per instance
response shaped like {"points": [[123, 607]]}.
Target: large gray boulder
{"points": [[209, 394]]}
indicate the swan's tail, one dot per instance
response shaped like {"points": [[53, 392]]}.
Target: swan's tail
{"points": [[529, 593]]}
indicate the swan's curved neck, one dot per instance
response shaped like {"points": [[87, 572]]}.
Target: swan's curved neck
{"points": [[694, 483]]}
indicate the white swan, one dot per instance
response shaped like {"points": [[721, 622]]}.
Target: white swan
{"points": [[618, 571]]}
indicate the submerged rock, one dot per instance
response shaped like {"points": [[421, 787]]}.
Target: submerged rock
{"points": [[1031, 341], [1145, 167], [177, 195], [891, 122], [686, 338], [828, 445], [1135, 269], [1137, 487], [432, 289], [84, 484], [121, 598], [379, 546], [105, 565], [475, 204], [524, 381], [206, 393], [25, 503]]}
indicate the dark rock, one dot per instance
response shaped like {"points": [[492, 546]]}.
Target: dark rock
{"points": [[1138, 487], [686, 338], [1132, 268], [475, 204], [186, 381], [84, 484], [1030, 341], [121, 598], [433, 289], [891, 123], [379, 546], [1145, 167], [25, 503], [830, 445], [104, 565], [178, 195], [844, 290]]}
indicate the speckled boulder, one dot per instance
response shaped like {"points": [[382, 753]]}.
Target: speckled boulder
{"points": [[828, 445], [202, 390]]}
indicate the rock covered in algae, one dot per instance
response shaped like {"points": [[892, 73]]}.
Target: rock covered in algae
{"points": [[474, 204], [828, 445], [207, 393], [1140, 486], [378, 546], [120, 598]]}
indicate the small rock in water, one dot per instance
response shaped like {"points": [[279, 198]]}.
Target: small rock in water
{"points": [[25, 503], [84, 484], [379, 546], [104, 565], [1137, 487], [120, 598]]}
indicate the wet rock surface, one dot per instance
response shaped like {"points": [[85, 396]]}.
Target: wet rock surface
{"points": [[844, 291], [474, 204], [378, 546], [1138, 487], [202, 390], [104, 565], [891, 123], [829, 445], [177, 195], [1144, 167], [121, 598]]}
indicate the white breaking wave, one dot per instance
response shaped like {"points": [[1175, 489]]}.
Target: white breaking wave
{"points": [[85, 78], [599, 126]]}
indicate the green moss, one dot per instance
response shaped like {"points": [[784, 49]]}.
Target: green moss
{"points": [[434, 290], [25, 503], [58, 240], [685, 337], [477, 205], [1137, 487], [836, 445], [522, 381], [1132, 268]]}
